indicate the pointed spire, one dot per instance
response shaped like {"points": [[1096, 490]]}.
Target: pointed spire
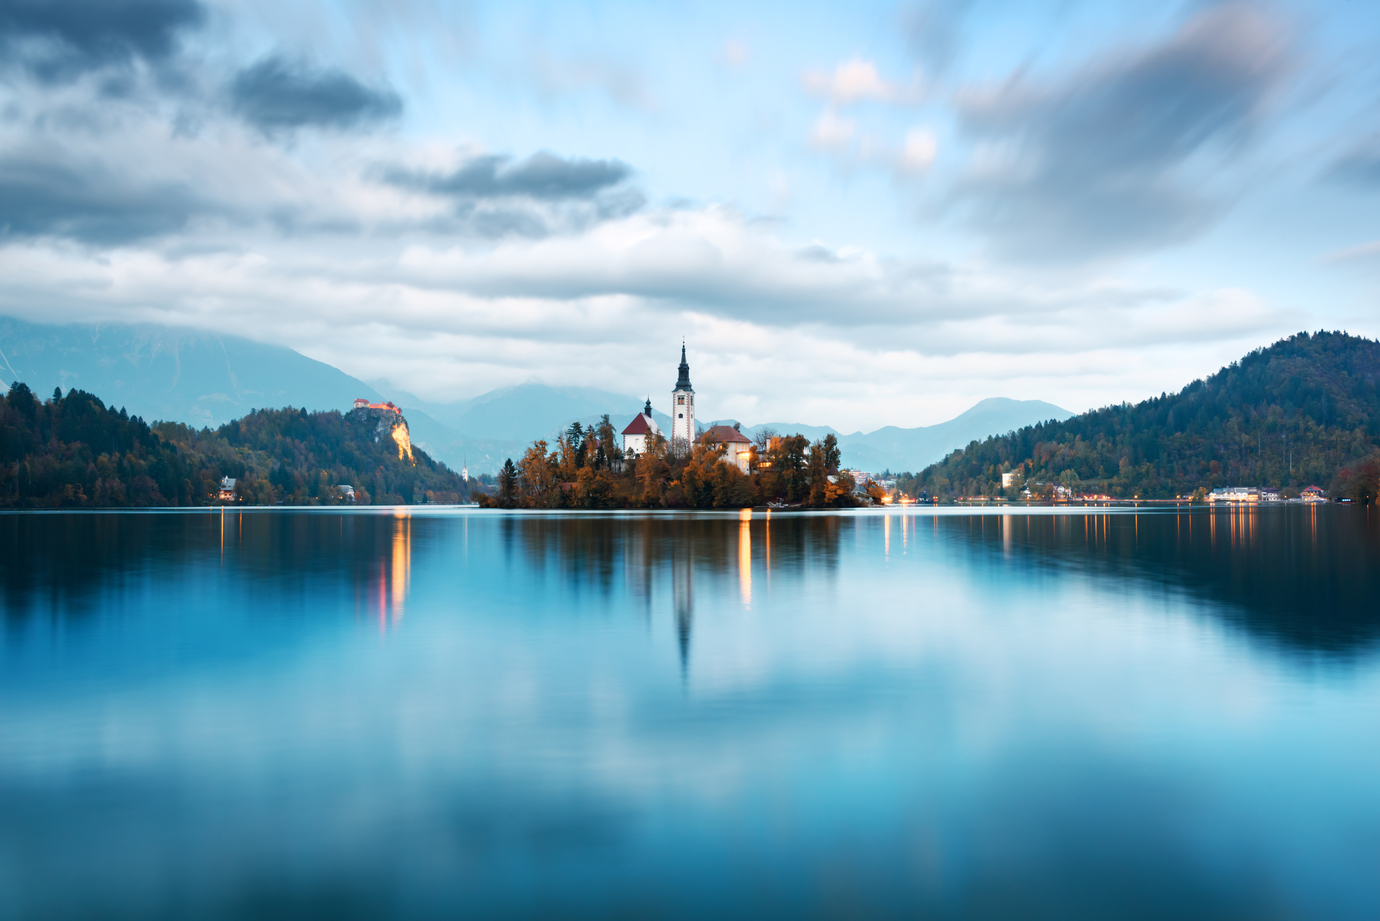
{"points": [[683, 382], [648, 410]]}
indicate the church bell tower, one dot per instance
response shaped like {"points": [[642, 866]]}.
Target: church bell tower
{"points": [[682, 409]]}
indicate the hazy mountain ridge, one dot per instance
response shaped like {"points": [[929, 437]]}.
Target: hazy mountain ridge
{"points": [[165, 373], [207, 379]]}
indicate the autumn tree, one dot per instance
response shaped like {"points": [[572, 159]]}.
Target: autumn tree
{"points": [[537, 473]]}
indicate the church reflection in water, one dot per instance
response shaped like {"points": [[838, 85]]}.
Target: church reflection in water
{"points": [[673, 566]]}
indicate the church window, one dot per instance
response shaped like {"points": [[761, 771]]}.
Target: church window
{"points": [[681, 400]]}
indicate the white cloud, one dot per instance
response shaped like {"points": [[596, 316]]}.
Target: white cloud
{"points": [[918, 151], [832, 132], [856, 81], [811, 334], [304, 244]]}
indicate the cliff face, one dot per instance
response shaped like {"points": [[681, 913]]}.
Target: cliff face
{"points": [[386, 423]]}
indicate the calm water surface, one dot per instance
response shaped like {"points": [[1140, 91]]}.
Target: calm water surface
{"points": [[288, 714]]}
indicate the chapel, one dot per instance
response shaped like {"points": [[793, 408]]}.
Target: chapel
{"points": [[640, 432]]}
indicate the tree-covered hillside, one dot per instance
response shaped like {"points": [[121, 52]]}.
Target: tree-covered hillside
{"points": [[1305, 410], [73, 451]]}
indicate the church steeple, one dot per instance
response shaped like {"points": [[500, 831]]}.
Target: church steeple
{"points": [[683, 409], [683, 382]]}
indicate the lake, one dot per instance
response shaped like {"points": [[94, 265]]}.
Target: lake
{"points": [[417, 713]]}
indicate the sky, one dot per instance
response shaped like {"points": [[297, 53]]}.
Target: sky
{"points": [[852, 214]]}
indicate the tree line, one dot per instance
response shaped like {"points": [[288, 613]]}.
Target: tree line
{"points": [[586, 469], [1303, 411], [73, 451]]}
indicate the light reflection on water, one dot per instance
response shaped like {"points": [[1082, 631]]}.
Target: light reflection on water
{"points": [[419, 714]]}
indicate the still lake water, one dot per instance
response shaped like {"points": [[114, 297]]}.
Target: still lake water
{"points": [[321, 714]]}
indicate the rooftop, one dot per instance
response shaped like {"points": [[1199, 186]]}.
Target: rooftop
{"points": [[727, 433], [642, 424]]}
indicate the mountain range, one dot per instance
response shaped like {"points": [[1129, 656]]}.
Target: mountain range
{"points": [[1302, 411], [207, 379]]}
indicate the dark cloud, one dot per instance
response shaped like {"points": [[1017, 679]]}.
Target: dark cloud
{"points": [[1106, 163], [1359, 167], [60, 39], [936, 32], [276, 95], [45, 196], [542, 176], [495, 223], [495, 196]]}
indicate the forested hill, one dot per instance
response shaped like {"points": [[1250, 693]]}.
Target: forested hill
{"points": [[73, 451], [1303, 411]]}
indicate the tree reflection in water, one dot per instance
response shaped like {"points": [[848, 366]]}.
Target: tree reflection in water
{"points": [[1273, 571], [635, 555]]}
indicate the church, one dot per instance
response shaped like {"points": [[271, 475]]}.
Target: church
{"points": [[643, 429]]}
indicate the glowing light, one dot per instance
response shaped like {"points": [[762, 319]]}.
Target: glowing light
{"points": [[745, 556], [402, 564], [404, 441]]}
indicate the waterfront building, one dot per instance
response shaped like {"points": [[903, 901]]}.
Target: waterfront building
{"points": [[227, 490], [739, 448], [1238, 495], [639, 433], [1313, 494]]}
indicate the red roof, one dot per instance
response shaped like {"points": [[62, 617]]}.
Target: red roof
{"points": [[727, 433], [638, 426]]}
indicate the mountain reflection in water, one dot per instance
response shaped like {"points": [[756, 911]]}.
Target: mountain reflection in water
{"points": [[422, 713]]}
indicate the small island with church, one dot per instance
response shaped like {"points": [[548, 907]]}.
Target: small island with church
{"points": [[718, 467]]}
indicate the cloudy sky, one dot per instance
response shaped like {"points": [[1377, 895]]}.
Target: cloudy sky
{"points": [[854, 214]]}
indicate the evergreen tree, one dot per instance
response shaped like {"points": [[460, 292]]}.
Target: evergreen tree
{"points": [[507, 484]]}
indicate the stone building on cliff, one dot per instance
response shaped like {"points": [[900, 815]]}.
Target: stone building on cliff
{"points": [[388, 422]]}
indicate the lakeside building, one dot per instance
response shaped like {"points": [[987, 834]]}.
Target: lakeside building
{"points": [[227, 490], [1313, 494], [1244, 495], [739, 447], [638, 435], [683, 433], [1237, 495]]}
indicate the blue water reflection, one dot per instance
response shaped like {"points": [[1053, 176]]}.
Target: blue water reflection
{"points": [[430, 714]]}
